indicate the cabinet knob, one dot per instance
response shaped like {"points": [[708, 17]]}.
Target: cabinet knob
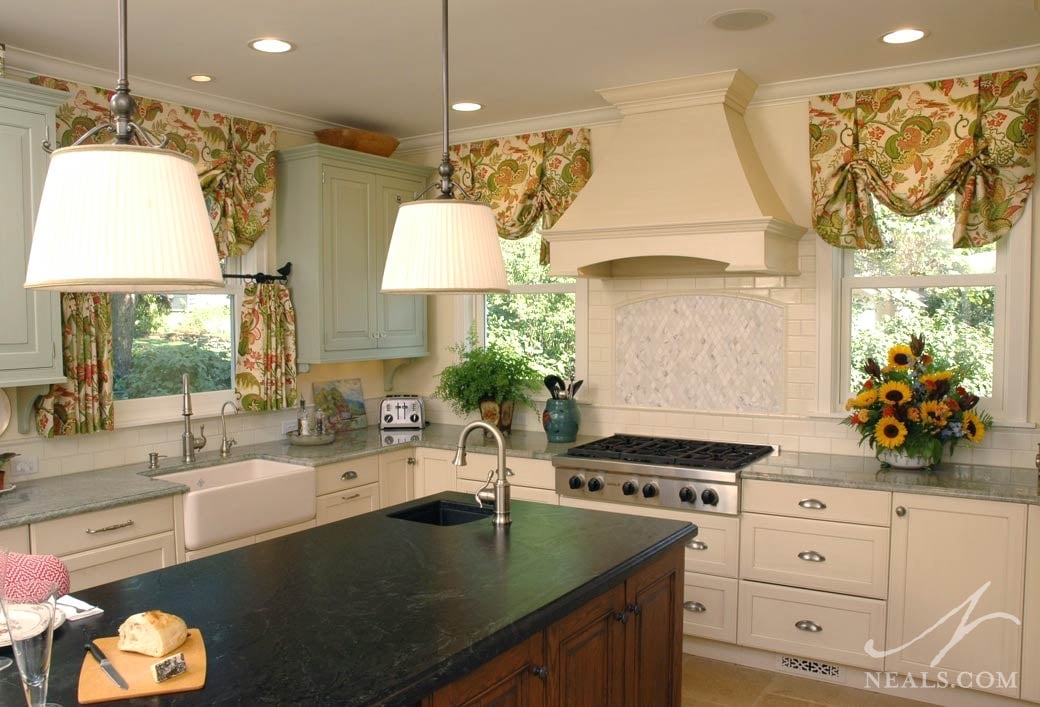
{"points": [[694, 606], [621, 616], [900, 511], [540, 671], [807, 625], [634, 609], [411, 461]]}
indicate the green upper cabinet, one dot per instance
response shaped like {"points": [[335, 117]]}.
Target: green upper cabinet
{"points": [[335, 215], [30, 321]]}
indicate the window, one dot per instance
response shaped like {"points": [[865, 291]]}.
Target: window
{"points": [[157, 338], [537, 317], [963, 300]]}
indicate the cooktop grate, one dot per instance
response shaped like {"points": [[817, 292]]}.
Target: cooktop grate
{"points": [[664, 451]]}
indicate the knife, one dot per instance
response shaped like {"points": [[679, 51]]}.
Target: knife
{"points": [[106, 665]]}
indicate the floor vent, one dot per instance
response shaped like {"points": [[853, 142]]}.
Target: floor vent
{"points": [[810, 668]]}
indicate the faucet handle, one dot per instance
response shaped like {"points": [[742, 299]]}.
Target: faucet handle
{"points": [[509, 472], [200, 441]]}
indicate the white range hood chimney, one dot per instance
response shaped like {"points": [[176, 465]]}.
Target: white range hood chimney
{"points": [[678, 190]]}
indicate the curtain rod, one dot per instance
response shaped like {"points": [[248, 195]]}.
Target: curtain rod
{"points": [[282, 276]]}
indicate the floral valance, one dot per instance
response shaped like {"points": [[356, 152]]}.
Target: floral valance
{"points": [[911, 146], [234, 156], [527, 180]]}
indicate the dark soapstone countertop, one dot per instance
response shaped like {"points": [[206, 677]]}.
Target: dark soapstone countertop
{"points": [[372, 609]]}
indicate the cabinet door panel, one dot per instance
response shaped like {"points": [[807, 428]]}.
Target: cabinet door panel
{"points": [[119, 561], [654, 651], [505, 681], [586, 655], [347, 504], [27, 352], [350, 309], [1031, 614], [402, 318], [944, 551], [396, 477], [436, 473]]}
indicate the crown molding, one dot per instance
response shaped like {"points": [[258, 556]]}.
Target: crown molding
{"points": [[802, 89], [734, 88], [23, 64], [588, 118]]}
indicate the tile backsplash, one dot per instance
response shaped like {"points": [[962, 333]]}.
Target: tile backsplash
{"points": [[700, 351]]}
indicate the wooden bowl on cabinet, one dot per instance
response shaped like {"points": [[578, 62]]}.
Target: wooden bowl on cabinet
{"points": [[359, 140]]}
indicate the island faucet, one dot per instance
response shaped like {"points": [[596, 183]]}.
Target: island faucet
{"points": [[189, 443], [225, 443], [500, 495]]}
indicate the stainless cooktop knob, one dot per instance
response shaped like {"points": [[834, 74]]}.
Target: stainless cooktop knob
{"points": [[687, 494], [576, 482], [629, 488], [649, 490], [710, 497], [595, 483]]}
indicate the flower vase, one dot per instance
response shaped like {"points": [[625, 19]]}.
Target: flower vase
{"points": [[499, 414], [899, 460], [561, 419]]}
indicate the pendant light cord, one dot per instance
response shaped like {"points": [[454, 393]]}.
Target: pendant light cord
{"points": [[445, 170]]}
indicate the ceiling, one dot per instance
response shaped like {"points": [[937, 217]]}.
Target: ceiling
{"points": [[375, 63]]}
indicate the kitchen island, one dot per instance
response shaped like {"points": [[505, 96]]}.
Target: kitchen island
{"points": [[382, 610]]}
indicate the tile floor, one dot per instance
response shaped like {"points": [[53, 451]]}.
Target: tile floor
{"points": [[711, 683]]}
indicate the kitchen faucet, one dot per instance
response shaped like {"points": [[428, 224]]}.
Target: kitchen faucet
{"points": [[500, 495], [225, 443], [189, 443]]}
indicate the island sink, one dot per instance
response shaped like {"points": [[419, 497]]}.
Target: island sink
{"points": [[231, 501], [443, 513]]}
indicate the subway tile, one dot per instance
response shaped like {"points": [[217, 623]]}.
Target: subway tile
{"points": [[60, 447], [765, 425], [680, 284], [1023, 460], [992, 457], [788, 295], [47, 468], [801, 375], [109, 458], [821, 445], [737, 424], [739, 282], [77, 463], [709, 283], [769, 282]]}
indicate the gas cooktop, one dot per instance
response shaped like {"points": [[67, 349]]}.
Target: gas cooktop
{"points": [[691, 453]]}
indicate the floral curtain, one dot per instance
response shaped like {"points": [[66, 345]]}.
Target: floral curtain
{"points": [[83, 404], [911, 146], [234, 156], [526, 179], [265, 377]]}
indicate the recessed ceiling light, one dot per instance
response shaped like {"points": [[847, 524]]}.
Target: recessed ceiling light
{"points": [[903, 36], [466, 106], [200, 78], [270, 45], [740, 20]]}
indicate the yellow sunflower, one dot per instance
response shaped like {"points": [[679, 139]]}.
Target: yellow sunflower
{"points": [[935, 413], [974, 429], [894, 393], [865, 399], [929, 380], [890, 432], [900, 357]]}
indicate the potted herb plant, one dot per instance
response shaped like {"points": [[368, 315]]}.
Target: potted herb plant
{"points": [[911, 408], [4, 458], [492, 379]]}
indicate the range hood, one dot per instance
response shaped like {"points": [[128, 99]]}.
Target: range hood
{"points": [[678, 189]]}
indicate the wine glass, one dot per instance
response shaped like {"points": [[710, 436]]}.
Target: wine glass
{"points": [[29, 611]]}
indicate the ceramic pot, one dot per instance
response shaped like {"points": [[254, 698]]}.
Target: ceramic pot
{"points": [[898, 460], [499, 414], [560, 420]]}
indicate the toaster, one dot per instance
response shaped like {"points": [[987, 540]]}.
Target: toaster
{"points": [[402, 412]]}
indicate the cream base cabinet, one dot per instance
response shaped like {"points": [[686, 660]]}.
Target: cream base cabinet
{"points": [[336, 211], [15, 539], [347, 504], [1031, 614], [30, 321], [397, 472], [945, 551], [435, 472]]}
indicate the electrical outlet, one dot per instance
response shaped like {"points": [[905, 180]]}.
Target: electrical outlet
{"points": [[288, 426], [25, 466]]}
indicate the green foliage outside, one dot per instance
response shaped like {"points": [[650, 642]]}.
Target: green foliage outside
{"points": [[539, 327], [957, 322], [490, 373], [153, 345]]}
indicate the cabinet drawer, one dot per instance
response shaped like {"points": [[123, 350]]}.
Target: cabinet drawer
{"points": [[15, 539], [517, 493], [64, 536], [347, 475], [769, 618], [815, 554], [816, 502], [119, 561], [710, 607], [534, 473], [287, 530], [353, 502]]}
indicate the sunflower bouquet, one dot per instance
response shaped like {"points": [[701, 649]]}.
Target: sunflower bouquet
{"points": [[914, 407]]}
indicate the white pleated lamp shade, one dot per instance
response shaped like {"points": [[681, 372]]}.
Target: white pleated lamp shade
{"points": [[444, 246], [122, 218]]}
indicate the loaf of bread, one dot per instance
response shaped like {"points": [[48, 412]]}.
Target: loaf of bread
{"points": [[153, 633]]}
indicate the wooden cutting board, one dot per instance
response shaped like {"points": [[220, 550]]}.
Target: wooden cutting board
{"points": [[96, 686]]}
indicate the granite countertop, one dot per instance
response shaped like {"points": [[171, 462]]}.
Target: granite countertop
{"points": [[372, 609], [989, 483], [58, 496]]}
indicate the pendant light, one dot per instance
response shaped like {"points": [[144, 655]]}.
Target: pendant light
{"points": [[122, 217], [444, 245]]}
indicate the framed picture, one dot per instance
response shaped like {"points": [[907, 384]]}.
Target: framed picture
{"points": [[343, 403]]}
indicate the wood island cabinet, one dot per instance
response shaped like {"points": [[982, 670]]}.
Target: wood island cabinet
{"points": [[623, 648]]}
